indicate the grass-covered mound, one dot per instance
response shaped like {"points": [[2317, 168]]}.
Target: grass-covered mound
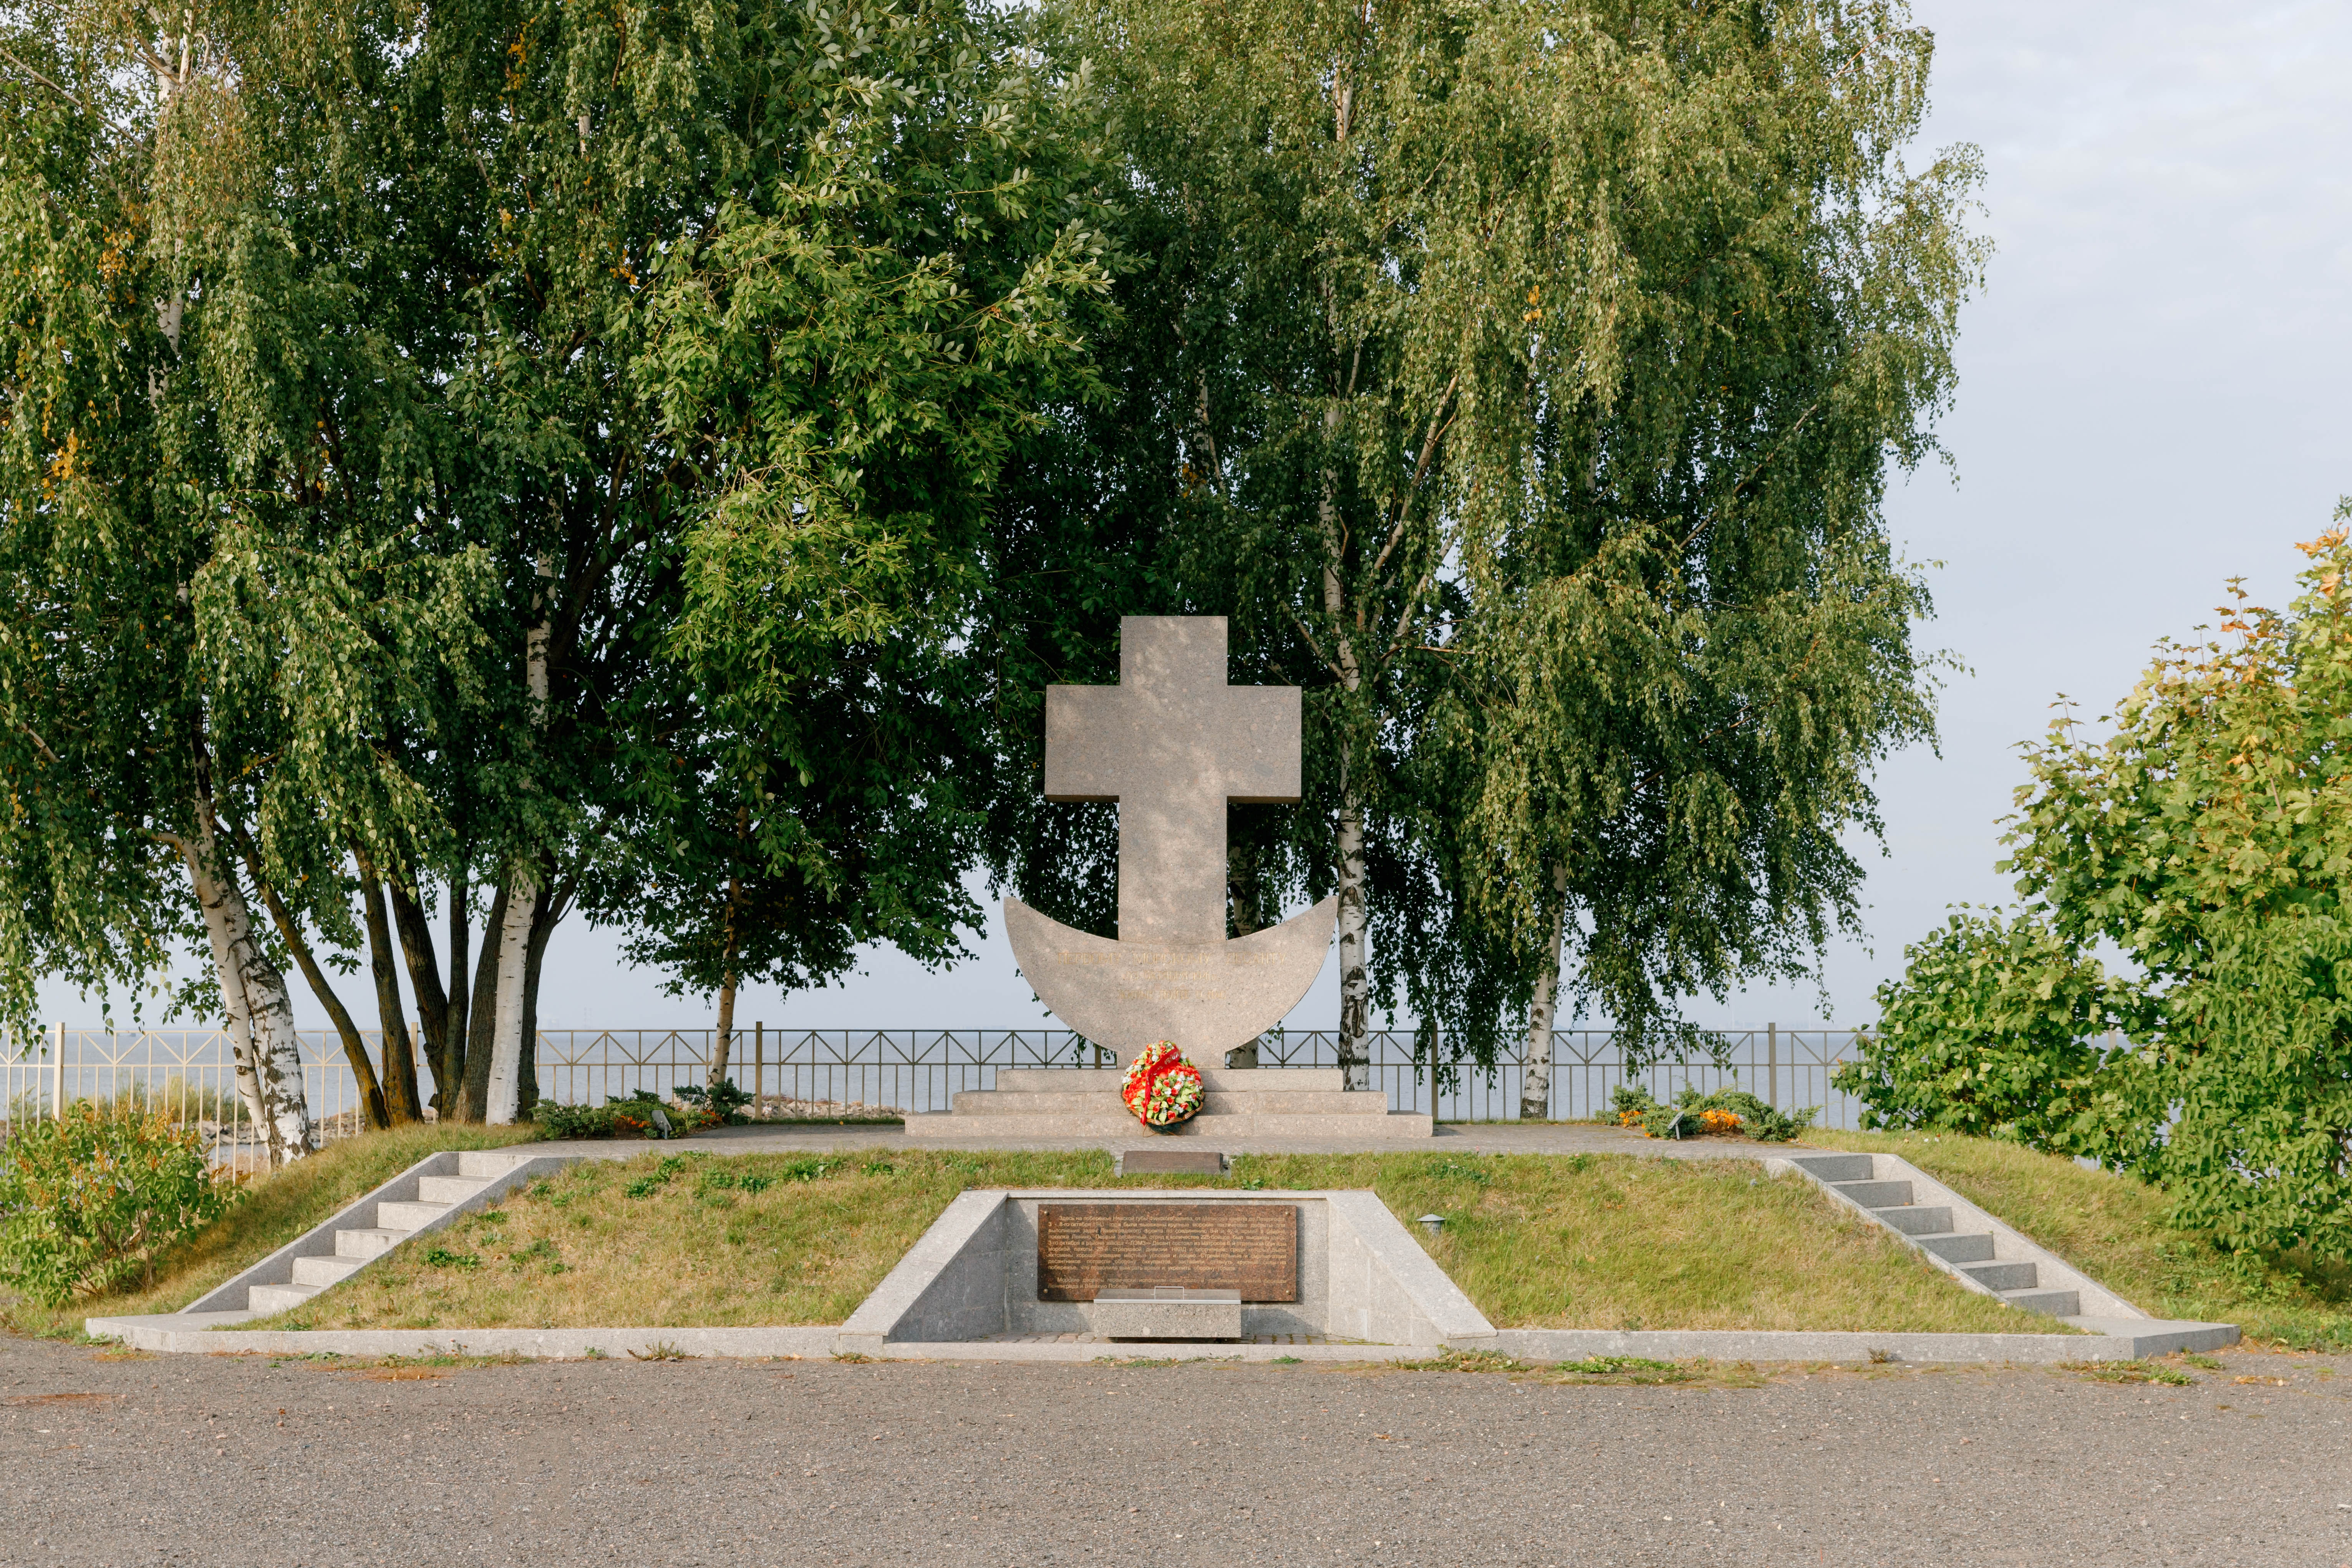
{"points": [[678, 1239], [272, 1211], [2112, 1227]]}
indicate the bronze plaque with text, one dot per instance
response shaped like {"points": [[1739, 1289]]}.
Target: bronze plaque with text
{"points": [[1083, 1248]]}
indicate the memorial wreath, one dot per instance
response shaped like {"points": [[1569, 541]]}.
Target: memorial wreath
{"points": [[1161, 1087]]}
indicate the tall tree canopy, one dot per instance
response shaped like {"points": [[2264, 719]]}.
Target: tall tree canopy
{"points": [[437, 438], [1525, 380]]}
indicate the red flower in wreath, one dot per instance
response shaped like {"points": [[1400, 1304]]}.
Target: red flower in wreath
{"points": [[1161, 1087]]}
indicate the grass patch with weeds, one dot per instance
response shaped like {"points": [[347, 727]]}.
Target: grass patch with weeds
{"points": [[1618, 1241], [2132, 1372], [2112, 1227], [273, 1211]]}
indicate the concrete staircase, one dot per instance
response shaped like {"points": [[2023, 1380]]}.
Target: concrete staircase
{"points": [[1083, 1104], [1961, 1239], [425, 1197]]}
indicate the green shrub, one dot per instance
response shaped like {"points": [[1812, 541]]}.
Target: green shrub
{"points": [[641, 1115], [1686, 1115], [723, 1099], [1989, 1032], [88, 1200]]}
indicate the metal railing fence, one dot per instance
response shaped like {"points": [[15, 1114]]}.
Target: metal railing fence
{"points": [[190, 1074]]}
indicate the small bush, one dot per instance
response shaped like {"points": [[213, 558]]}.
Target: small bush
{"points": [[723, 1099], [87, 1201], [1692, 1114], [641, 1115]]}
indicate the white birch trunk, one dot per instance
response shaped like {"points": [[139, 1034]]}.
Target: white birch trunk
{"points": [[502, 1097], [499, 1101], [1355, 981], [260, 1009], [1535, 1074]]}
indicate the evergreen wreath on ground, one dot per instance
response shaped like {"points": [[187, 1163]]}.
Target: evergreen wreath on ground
{"points": [[1692, 1115], [1161, 1087]]}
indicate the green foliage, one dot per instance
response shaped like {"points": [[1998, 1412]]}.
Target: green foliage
{"points": [[2209, 836], [442, 1258], [1989, 1032], [721, 1101], [1686, 1116], [640, 1115], [90, 1199]]}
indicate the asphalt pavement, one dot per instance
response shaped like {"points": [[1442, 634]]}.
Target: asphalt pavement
{"points": [[261, 1463]]}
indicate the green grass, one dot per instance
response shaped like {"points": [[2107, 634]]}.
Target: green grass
{"points": [[673, 1239], [2112, 1227], [274, 1210]]}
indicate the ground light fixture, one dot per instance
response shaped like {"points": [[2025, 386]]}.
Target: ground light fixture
{"points": [[1432, 1223]]}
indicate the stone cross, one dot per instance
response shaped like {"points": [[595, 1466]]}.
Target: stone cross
{"points": [[1171, 744]]}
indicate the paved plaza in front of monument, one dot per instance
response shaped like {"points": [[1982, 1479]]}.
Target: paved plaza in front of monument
{"points": [[248, 1463]]}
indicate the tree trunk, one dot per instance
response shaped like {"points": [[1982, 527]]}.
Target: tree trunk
{"points": [[481, 1022], [399, 1062], [542, 926], [1535, 1074], [370, 1089], [260, 1013], [721, 1048], [502, 1089], [424, 980], [1352, 1049], [456, 1037], [1242, 892]]}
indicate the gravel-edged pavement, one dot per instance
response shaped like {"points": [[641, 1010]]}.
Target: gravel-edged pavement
{"points": [[244, 1462]]}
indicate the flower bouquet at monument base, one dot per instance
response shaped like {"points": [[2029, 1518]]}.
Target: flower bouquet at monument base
{"points": [[1161, 1087]]}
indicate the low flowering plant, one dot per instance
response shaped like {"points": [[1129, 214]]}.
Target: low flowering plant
{"points": [[1161, 1087]]}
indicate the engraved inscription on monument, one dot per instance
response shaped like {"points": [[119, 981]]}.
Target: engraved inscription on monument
{"points": [[1083, 1248]]}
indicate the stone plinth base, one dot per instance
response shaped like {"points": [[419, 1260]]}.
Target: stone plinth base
{"points": [[1082, 1104]]}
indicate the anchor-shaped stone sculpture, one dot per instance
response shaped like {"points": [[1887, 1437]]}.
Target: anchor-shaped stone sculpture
{"points": [[1171, 744]]}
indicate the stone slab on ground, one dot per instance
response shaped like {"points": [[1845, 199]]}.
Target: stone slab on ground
{"points": [[2123, 1341], [1167, 1314], [215, 1333]]}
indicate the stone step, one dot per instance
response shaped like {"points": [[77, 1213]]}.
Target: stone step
{"points": [[325, 1272], [487, 1164], [1834, 1167], [1876, 1195], [1122, 1128], [1215, 1102], [1924, 1220], [2050, 1303], [278, 1297], [448, 1189], [2003, 1278], [1954, 1247], [408, 1216], [367, 1244], [1230, 1080]]}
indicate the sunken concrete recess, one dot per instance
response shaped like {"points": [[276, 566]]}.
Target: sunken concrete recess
{"points": [[959, 1293], [973, 1276]]}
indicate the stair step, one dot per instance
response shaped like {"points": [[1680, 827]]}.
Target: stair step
{"points": [[2003, 1277], [488, 1164], [2052, 1303], [1876, 1195], [1122, 1128], [325, 1272], [363, 1244], [408, 1216], [445, 1190], [1215, 1102], [1835, 1167], [1238, 1081], [278, 1297], [1925, 1220], [1955, 1247]]}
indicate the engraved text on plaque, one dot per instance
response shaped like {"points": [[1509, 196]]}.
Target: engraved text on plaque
{"points": [[1083, 1248]]}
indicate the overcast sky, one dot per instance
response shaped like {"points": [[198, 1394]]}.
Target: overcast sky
{"points": [[2152, 399]]}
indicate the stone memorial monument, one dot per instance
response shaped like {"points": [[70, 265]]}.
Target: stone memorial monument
{"points": [[1173, 743]]}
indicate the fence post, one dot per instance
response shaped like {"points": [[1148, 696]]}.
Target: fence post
{"points": [[758, 1063], [57, 1077], [1772, 1066]]}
